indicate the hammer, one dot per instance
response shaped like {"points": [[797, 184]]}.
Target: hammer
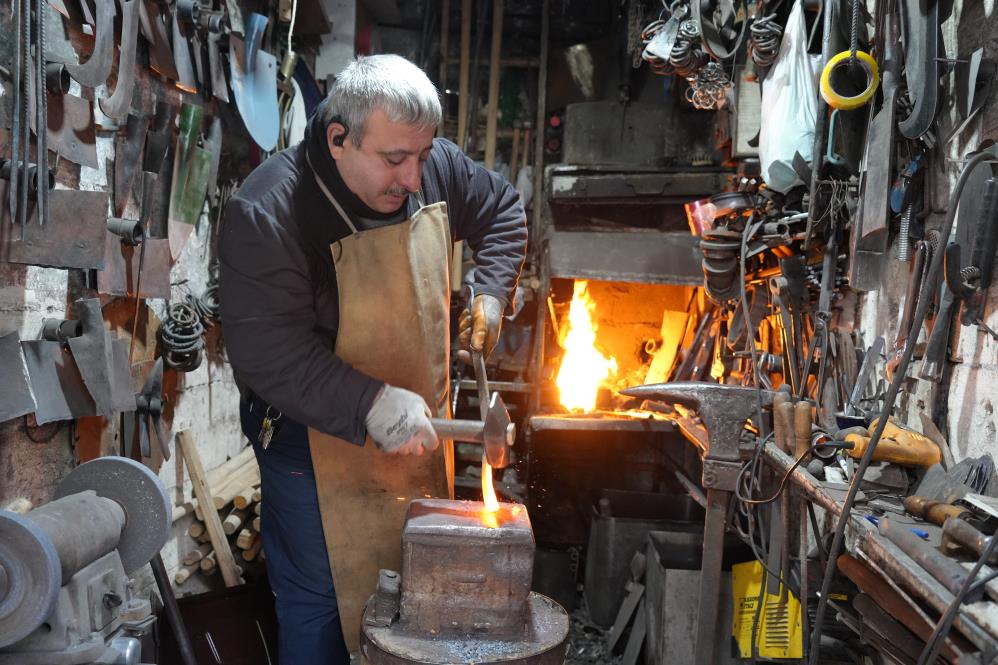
{"points": [[496, 433]]}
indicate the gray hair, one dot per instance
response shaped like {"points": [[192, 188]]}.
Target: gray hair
{"points": [[388, 82]]}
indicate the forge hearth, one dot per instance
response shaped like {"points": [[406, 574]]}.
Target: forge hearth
{"points": [[463, 595]]}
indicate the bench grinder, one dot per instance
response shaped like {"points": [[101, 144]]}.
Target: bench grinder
{"points": [[65, 597]]}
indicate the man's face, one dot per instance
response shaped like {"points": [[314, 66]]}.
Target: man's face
{"points": [[388, 165]]}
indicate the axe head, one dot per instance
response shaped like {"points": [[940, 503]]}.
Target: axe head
{"points": [[499, 433]]}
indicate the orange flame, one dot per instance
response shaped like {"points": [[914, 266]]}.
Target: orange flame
{"points": [[488, 496], [583, 368]]}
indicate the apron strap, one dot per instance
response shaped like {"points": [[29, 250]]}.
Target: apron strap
{"points": [[329, 195]]}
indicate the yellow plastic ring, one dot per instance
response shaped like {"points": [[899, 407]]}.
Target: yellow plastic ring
{"points": [[837, 101]]}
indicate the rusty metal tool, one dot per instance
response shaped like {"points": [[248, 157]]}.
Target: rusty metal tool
{"points": [[933, 511], [723, 410], [186, 78], [959, 531], [155, 32], [116, 106], [41, 122], [95, 70], [148, 412], [921, 39], [862, 378], [196, 23], [15, 155], [970, 283], [869, 240], [493, 410], [157, 144], [935, 349], [21, 161], [923, 256]]}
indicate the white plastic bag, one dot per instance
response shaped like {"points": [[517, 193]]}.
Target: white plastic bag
{"points": [[789, 105]]}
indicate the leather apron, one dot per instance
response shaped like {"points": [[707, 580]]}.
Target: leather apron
{"points": [[394, 325]]}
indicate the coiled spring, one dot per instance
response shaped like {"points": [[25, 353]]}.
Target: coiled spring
{"points": [[764, 40], [207, 306], [686, 55], [181, 337], [708, 86]]}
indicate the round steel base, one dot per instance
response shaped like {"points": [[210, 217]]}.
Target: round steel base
{"points": [[544, 643], [139, 492]]}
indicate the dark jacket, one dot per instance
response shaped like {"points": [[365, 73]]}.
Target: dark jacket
{"points": [[280, 319]]}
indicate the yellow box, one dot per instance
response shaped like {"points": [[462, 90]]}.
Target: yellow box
{"points": [[780, 630]]}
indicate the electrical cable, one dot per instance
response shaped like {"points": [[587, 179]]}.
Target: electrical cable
{"points": [[934, 643], [291, 28], [889, 399], [840, 445], [749, 231]]}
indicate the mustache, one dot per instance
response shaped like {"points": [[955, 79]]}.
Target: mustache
{"points": [[397, 191]]}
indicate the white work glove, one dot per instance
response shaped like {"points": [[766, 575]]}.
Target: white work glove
{"points": [[399, 422]]}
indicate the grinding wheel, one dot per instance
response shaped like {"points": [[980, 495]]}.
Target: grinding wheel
{"points": [[30, 577], [139, 492]]}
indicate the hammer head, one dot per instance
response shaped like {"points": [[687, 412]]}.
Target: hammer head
{"points": [[499, 433], [723, 409]]}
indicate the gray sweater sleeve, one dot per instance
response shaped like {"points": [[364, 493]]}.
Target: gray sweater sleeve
{"points": [[485, 211], [268, 310]]}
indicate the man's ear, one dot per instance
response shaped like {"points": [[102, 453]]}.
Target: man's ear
{"points": [[336, 134]]}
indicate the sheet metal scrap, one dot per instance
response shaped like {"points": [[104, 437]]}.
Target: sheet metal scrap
{"points": [[73, 238], [15, 393], [120, 275], [253, 75], [116, 106], [102, 361], [54, 375], [71, 131], [95, 70]]}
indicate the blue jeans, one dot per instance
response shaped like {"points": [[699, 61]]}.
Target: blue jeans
{"points": [[297, 562]]}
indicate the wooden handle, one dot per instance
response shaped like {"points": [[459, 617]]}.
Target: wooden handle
{"points": [[802, 427], [192, 459], [783, 422]]}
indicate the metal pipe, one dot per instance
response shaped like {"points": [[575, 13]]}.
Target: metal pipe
{"points": [[949, 573], [172, 610]]}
